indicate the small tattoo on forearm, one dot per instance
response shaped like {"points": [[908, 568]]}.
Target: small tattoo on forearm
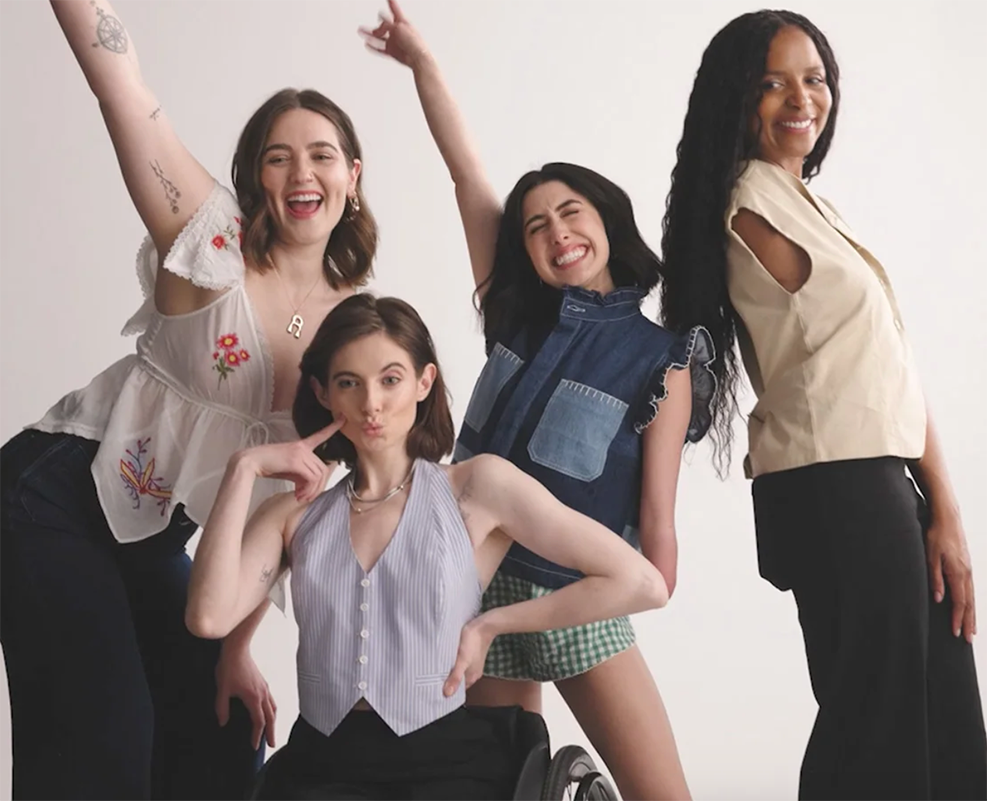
{"points": [[155, 113], [172, 194], [265, 574], [109, 31]]}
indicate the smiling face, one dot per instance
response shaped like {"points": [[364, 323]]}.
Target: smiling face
{"points": [[306, 176], [565, 238], [373, 384], [795, 103]]}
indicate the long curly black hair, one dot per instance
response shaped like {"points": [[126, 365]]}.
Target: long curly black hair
{"points": [[717, 138], [513, 295]]}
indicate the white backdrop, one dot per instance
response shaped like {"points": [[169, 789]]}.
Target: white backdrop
{"points": [[599, 82]]}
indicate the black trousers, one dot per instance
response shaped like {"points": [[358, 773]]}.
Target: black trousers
{"points": [[463, 755], [110, 695], [899, 707]]}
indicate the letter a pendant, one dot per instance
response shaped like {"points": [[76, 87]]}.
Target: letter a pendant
{"points": [[295, 326]]}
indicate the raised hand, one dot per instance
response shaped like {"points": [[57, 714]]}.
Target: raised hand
{"points": [[295, 462], [396, 37]]}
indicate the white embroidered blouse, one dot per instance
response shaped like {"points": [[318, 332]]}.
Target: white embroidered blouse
{"points": [[199, 387]]}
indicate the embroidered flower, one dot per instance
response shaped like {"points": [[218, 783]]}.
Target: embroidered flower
{"points": [[139, 479], [227, 342], [229, 355], [224, 238]]}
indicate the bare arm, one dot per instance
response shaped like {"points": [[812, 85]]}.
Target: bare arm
{"points": [[663, 442], [946, 548], [618, 580], [787, 263], [237, 561], [165, 182], [478, 204], [240, 637]]}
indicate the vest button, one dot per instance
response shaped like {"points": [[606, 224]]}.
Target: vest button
{"points": [[365, 583], [364, 634], [364, 606], [363, 659], [362, 685]]}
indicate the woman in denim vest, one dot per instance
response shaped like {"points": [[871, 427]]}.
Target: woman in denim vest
{"points": [[570, 394]]}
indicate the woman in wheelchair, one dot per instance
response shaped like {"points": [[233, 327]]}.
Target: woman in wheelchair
{"points": [[388, 568]]}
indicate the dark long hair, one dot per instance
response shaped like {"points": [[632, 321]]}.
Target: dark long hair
{"points": [[352, 245], [716, 140], [514, 295], [432, 435]]}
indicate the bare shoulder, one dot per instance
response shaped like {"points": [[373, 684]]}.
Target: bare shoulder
{"points": [[754, 229], [788, 263], [282, 511], [480, 475]]}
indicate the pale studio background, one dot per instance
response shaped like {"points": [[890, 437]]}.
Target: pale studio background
{"points": [[600, 83]]}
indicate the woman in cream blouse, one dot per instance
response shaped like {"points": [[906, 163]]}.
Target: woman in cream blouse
{"points": [[880, 573]]}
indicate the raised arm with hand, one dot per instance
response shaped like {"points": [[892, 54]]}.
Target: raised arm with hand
{"points": [[165, 182], [237, 561], [478, 204]]}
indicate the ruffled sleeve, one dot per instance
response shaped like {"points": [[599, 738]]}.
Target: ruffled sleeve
{"points": [[206, 252], [693, 349]]}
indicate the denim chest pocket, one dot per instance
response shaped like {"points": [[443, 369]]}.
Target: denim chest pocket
{"points": [[576, 430], [499, 369]]}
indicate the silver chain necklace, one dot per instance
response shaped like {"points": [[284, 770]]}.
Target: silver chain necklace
{"points": [[352, 497]]}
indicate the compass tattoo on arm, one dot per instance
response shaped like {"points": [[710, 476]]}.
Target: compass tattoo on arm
{"points": [[109, 31]]}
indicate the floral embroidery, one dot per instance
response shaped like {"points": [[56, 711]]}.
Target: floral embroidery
{"points": [[227, 342], [139, 479], [224, 238], [229, 355]]}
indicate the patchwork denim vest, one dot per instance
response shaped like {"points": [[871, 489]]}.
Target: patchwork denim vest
{"points": [[570, 410]]}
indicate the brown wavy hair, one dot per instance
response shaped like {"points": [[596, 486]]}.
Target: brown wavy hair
{"points": [[432, 436], [349, 256]]}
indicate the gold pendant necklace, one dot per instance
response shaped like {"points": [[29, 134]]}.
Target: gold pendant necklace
{"points": [[297, 322]]}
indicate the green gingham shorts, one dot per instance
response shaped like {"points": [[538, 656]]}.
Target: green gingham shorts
{"points": [[549, 655]]}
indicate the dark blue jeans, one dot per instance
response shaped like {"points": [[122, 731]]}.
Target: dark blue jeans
{"points": [[110, 695]]}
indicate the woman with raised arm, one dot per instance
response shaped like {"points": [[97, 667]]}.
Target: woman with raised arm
{"points": [[111, 697], [388, 568], [880, 573], [586, 395]]}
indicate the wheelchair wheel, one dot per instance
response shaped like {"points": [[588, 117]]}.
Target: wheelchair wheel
{"points": [[595, 787], [573, 775]]}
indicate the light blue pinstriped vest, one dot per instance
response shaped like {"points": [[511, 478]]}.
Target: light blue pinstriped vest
{"points": [[391, 635]]}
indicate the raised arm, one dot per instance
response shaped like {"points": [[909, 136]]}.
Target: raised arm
{"points": [[165, 182], [478, 204], [237, 561]]}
